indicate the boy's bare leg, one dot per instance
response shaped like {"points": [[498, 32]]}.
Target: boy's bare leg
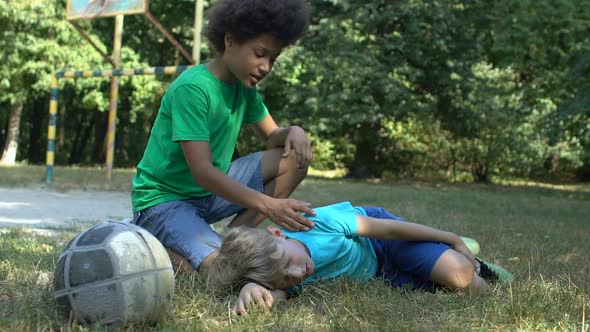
{"points": [[181, 264], [281, 177], [478, 285], [455, 271]]}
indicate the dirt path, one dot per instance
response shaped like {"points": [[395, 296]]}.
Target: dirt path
{"points": [[40, 208]]}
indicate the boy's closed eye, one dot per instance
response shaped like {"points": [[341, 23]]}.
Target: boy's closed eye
{"points": [[263, 52]]}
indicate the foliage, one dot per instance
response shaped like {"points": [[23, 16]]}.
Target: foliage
{"points": [[384, 88], [549, 54], [415, 146], [331, 153]]}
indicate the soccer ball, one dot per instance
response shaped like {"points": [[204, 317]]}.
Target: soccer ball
{"points": [[113, 274]]}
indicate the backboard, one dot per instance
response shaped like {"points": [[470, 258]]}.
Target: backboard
{"points": [[89, 9]]}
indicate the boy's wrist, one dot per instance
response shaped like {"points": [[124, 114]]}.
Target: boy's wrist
{"points": [[263, 203], [454, 239]]}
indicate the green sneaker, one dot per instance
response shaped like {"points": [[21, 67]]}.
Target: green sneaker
{"points": [[494, 273], [471, 244]]}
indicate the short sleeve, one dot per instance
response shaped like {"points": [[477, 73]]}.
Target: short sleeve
{"points": [[256, 111], [189, 111], [336, 218]]}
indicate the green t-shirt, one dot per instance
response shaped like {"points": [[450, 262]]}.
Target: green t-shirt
{"points": [[196, 107]]}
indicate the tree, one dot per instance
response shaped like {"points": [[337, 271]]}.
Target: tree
{"points": [[37, 41], [33, 41], [546, 43], [362, 63]]}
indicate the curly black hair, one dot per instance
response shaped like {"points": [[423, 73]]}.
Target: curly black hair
{"points": [[286, 20]]}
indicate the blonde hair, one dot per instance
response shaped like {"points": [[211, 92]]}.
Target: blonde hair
{"points": [[246, 255]]}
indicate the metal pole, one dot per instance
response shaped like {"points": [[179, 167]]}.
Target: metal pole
{"points": [[93, 44], [114, 96], [50, 156], [197, 31], [170, 37]]}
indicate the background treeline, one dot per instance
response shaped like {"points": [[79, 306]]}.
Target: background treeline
{"points": [[456, 89]]}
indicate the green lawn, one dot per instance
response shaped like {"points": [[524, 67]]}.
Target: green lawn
{"points": [[540, 234]]}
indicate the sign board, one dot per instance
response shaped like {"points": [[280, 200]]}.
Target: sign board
{"points": [[90, 9]]}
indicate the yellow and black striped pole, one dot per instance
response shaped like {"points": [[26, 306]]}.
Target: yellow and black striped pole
{"points": [[50, 158], [51, 131]]}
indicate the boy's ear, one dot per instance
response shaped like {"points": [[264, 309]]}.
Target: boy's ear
{"points": [[228, 40], [274, 231]]}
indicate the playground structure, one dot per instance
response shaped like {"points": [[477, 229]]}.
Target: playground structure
{"points": [[50, 159], [91, 9]]}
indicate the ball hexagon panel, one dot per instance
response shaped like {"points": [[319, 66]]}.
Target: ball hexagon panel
{"points": [[90, 266], [131, 253]]}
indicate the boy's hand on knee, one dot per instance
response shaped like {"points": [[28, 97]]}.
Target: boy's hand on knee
{"points": [[286, 213], [297, 140], [249, 292], [461, 248]]}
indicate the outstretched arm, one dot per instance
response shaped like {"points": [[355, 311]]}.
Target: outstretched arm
{"points": [[385, 229]]}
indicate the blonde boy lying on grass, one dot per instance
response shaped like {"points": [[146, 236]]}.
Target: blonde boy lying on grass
{"points": [[359, 243]]}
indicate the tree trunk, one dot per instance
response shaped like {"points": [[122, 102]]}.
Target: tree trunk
{"points": [[121, 140], [365, 164], [481, 173], [82, 135], [4, 126], [38, 120], [11, 145], [101, 124]]}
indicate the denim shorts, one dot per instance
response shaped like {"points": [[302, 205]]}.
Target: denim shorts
{"points": [[184, 225], [405, 263]]}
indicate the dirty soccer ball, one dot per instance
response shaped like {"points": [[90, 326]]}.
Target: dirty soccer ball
{"points": [[113, 274]]}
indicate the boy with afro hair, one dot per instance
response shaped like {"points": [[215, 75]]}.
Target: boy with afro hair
{"points": [[186, 179]]}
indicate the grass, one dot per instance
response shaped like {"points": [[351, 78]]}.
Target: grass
{"points": [[538, 233]]}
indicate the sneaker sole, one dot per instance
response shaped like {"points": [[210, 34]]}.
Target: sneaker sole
{"points": [[503, 274]]}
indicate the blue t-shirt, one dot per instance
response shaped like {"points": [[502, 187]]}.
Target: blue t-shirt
{"points": [[334, 245]]}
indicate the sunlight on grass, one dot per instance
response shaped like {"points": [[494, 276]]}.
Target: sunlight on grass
{"points": [[67, 178], [330, 174], [579, 187], [94, 178]]}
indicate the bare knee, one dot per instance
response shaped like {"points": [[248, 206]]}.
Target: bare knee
{"points": [[453, 270], [291, 162], [462, 276]]}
